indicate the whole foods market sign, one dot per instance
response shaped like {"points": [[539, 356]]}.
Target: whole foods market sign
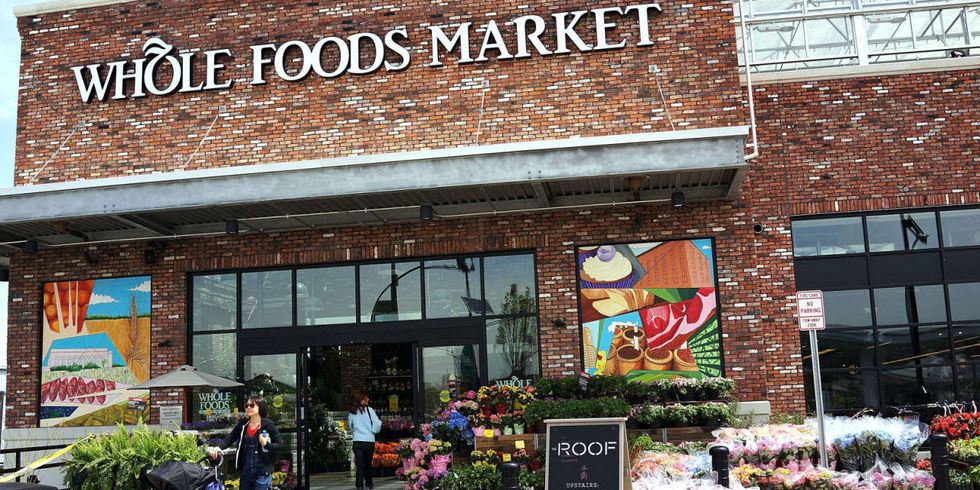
{"points": [[163, 70]]}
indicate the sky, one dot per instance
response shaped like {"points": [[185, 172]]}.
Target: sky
{"points": [[9, 67]]}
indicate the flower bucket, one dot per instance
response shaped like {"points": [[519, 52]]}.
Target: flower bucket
{"points": [[478, 431], [508, 431], [518, 429], [496, 432]]}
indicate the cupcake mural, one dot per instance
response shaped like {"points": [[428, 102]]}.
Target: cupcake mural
{"points": [[649, 310]]}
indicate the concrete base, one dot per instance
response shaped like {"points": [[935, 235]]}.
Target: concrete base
{"points": [[757, 413]]}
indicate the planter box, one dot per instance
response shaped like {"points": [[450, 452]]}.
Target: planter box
{"points": [[677, 435], [506, 443]]}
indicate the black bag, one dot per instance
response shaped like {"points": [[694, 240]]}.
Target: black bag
{"points": [[180, 475]]}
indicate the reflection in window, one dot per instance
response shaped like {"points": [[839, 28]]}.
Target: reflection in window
{"points": [[919, 304], [390, 292], [842, 349], [267, 299], [213, 301], [833, 236], [844, 389], [968, 381], [847, 308], [913, 345], [510, 287], [914, 231], [452, 288], [966, 343], [964, 301], [455, 369], [961, 227], [273, 377], [215, 354], [512, 348], [916, 386], [326, 296], [213, 403]]}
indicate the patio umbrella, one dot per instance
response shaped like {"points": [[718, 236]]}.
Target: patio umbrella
{"points": [[187, 376]]}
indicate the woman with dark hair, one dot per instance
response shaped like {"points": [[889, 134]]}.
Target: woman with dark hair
{"points": [[258, 443], [364, 424]]}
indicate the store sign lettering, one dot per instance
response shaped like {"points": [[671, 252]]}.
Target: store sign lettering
{"points": [[163, 70], [214, 401], [515, 382]]}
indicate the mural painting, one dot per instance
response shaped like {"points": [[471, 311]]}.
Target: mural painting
{"points": [[95, 346], [650, 310]]}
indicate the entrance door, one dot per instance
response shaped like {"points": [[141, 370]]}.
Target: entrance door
{"points": [[274, 377], [332, 377], [449, 368]]}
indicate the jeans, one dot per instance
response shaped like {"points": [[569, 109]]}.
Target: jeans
{"points": [[363, 453], [255, 479]]}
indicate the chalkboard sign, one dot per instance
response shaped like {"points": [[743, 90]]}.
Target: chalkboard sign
{"points": [[585, 453]]}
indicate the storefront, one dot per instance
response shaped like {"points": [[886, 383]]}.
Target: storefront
{"points": [[414, 201]]}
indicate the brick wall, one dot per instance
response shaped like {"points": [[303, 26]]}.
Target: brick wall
{"points": [[580, 94]]}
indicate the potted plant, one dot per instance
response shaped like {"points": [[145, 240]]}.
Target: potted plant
{"points": [[507, 424], [678, 415], [652, 415], [518, 421], [713, 414]]}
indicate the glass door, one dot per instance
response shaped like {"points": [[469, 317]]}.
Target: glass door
{"points": [[447, 370], [274, 377]]}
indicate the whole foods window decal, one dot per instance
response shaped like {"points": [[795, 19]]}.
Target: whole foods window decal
{"points": [[649, 310], [95, 345]]}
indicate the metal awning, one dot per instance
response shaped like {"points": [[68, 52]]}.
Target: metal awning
{"points": [[578, 172]]}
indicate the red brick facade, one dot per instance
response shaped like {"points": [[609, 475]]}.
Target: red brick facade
{"points": [[830, 146]]}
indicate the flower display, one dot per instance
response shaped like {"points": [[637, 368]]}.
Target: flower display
{"points": [[860, 443], [957, 425]]}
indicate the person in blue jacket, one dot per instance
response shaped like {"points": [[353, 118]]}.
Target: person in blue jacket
{"points": [[364, 424]]}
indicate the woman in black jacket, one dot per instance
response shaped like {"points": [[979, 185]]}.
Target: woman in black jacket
{"points": [[258, 442]]}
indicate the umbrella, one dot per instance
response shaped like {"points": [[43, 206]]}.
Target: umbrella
{"points": [[187, 376]]}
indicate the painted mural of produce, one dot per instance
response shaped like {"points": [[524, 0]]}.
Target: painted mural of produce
{"points": [[96, 345], [650, 310]]}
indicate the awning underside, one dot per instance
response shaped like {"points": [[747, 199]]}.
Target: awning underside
{"points": [[705, 165]]}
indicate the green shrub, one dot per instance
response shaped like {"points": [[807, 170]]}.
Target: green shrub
{"points": [[541, 410], [712, 413], [477, 477], [533, 480], [606, 386], [652, 415], [115, 460]]}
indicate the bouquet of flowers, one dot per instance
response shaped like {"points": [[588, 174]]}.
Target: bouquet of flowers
{"points": [[860, 443], [771, 446], [435, 446]]}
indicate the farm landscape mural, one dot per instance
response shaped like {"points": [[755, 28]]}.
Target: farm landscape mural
{"points": [[95, 347]]}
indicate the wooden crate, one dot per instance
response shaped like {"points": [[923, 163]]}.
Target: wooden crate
{"points": [[506, 443]]}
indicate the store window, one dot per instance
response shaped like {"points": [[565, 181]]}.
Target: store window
{"points": [[452, 288], [213, 302], [326, 296], [833, 236], [964, 302], [851, 308], [512, 348], [510, 284], [390, 292], [267, 299], [912, 231], [961, 227], [913, 304], [903, 314]]}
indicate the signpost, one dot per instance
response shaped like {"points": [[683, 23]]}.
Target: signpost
{"points": [[171, 416], [809, 305], [587, 453]]}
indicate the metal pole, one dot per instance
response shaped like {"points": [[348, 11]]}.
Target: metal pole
{"points": [[720, 464], [510, 476], [940, 460], [818, 395]]}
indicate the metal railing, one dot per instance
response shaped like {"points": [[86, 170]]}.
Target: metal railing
{"points": [[18, 458], [856, 32]]}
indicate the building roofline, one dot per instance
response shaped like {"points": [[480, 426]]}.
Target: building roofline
{"points": [[61, 6]]}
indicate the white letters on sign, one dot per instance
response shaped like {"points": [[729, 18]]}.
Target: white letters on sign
{"points": [[164, 70]]}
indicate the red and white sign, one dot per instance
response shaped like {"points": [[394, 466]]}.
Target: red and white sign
{"points": [[809, 307]]}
